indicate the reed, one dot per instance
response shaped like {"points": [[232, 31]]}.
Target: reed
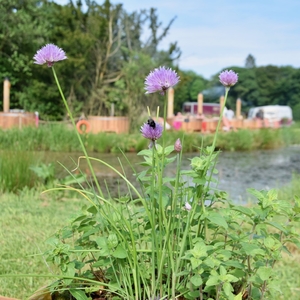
{"points": [[15, 170]]}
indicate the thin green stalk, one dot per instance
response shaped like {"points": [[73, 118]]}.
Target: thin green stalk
{"points": [[161, 214], [78, 134], [153, 212]]}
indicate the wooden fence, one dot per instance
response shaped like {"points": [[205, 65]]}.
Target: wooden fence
{"points": [[16, 119], [109, 124]]}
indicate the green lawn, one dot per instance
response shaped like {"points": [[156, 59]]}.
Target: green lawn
{"points": [[26, 221]]}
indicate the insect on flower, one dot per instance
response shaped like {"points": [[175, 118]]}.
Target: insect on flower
{"points": [[151, 123]]}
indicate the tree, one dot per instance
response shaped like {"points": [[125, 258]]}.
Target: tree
{"points": [[188, 88], [250, 62], [22, 25]]}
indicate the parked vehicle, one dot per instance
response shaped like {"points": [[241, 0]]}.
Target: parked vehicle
{"points": [[209, 109], [280, 113]]}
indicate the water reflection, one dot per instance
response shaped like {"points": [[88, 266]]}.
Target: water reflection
{"points": [[237, 170]]}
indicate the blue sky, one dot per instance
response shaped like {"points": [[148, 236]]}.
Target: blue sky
{"points": [[215, 34]]}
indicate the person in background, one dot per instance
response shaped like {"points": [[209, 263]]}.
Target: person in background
{"points": [[203, 122], [229, 114]]}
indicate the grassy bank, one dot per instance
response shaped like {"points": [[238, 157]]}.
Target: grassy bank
{"points": [[28, 219], [61, 138]]}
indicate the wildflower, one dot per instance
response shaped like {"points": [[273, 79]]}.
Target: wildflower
{"points": [[177, 145], [187, 206], [160, 80], [228, 78], [49, 54], [151, 130]]}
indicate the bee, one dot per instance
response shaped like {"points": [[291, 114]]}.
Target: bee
{"points": [[151, 123]]}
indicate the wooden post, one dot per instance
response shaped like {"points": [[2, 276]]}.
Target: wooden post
{"points": [[222, 98], [112, 109], [200, 104], [238, 108], [170, 111], [6, 92]]}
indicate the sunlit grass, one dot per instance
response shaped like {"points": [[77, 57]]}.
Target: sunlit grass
{"points": [[26, 221]]}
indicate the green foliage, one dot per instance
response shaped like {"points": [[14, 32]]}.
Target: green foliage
{"points": [[100, 43], [215, 250], [188, 88], [21, 27], [59, 138], [15, 170]]}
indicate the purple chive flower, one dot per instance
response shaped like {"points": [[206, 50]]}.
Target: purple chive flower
{"points": [[160, 80], [49, 54], [228, 78], [177, 145], [152, 130]]}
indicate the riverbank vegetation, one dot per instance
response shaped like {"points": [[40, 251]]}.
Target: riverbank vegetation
{"points": [[59, 138], [28, 219]]}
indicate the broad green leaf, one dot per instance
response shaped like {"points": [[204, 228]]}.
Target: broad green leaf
{"points": [[217, 219], [231, 278], [169, 149], [238, 297], [120, 252], [199, 250], [212, 280], [259, 195], [147, 152], [78, 294], [272, 194], [269, 242], [276, 225], [252, 249], [234, 263], [244, 210], [264, 273], [196, 280], [196, 262], [227, 288]]}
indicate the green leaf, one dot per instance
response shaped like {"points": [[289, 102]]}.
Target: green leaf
{"points": [[196, 280], [269, 242], [78, 294], [196, 262], [238, 297], [234, 263], [169, 149], [276, 225], [227, 288], [252, 249], [147, 152], [264, 273], [120, 252], [212, 280], [199, 250], [217, 219], [259, 195], [244, 210]]}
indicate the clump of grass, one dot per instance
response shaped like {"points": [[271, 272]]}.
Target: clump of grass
{"points": [[15, 170]]}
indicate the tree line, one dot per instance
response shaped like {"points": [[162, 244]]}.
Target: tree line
{"points": [[110, 52]]}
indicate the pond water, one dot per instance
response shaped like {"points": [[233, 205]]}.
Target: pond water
{"points": [[264, 169]]}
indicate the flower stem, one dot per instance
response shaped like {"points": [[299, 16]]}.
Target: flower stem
{"points": [[78, 135]]}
